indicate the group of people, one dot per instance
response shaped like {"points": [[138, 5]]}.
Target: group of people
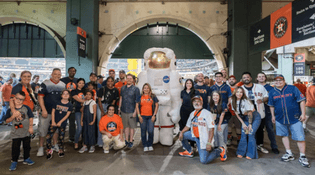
{"points": [[105, 113], [209, 113]]}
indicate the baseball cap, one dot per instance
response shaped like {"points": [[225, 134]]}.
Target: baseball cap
{"points": [[93, 73], [232, 76], [111, 70], [279, 76], [196, 97], [122, 71], [100, 76]]}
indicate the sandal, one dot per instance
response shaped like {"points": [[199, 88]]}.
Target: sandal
{"points": [[76, 146], [248, 158], [239, 156]]}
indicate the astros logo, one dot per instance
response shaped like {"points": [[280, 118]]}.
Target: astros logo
{"points": [[280, 27]]}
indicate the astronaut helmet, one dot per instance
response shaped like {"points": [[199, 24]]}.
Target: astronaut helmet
{"points": [[159, 58]]}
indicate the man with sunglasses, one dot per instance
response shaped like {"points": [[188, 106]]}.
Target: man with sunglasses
{"points": [[200, 128]]}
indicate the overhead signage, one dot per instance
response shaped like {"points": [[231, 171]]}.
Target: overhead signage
{"points": [[81, 35], [260, 35], [303, 20], [299, 69]]}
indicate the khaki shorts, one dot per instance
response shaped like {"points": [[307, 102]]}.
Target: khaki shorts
{"points": [[128, 120], [310, 111], [43, 125]]}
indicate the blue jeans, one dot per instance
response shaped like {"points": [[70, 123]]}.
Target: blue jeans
{"points": [[247, 145], [204, 155], [270, 131], [79, 127], [147, 126], [4, 110]]}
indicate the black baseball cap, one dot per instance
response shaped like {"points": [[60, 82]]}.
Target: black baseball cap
{"points": [[93, 73]]}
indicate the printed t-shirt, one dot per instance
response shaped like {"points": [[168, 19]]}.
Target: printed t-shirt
{"points": [[204, 92], [267, 108], [310, 96], [61, 111], [51, 92], [113, 124], [119, 85], [301, 87], [80, 95], [286, 103], [251, 95], [6, 90], [224, 109], [108, 95], [28, 100], [70, 84], [26, 114]]}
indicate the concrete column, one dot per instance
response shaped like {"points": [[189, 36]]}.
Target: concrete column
{"points": [[285, 66], [87, 14], [242, 13]]}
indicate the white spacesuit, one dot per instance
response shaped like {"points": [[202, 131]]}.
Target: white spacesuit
{"points": [[160, 72]]}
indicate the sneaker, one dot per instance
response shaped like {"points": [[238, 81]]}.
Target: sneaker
{"points": [[92, 149], [50, 154], [145, 149], [186, 154], [71, 141], [275, 151], [106, 151], [28, 161], [304, 162], [40, 152], [223, 154], [151, 148], [130, 145], [62, 154], [56, 148], [262, 149], [13, 166], [287, 157], [83, 149], [126, 142]]}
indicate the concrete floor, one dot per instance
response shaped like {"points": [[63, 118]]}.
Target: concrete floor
{"points": [[163, 160]]}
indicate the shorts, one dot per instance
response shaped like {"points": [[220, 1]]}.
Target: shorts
{"points": [[310, 111], [43, 125], [128, 120], [296, 130]]}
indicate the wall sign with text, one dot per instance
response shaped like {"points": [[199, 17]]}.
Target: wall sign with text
{"points": [[81, 41]]}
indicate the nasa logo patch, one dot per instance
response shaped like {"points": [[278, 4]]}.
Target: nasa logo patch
{"points": [[166, 79]]}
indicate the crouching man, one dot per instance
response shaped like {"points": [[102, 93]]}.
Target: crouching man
{"points": [[111, 128], [201, 125]]}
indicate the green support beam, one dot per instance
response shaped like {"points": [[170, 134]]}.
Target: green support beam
{"points": [[242, 13], [86, 12]]}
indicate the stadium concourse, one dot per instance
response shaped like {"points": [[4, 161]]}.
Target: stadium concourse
{"points": [[163, 160]]}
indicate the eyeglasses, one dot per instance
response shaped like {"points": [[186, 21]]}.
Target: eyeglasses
{"points": [[20, 99]]}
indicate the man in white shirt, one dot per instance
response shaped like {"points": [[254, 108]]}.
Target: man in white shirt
{"points": [[200, 128]]}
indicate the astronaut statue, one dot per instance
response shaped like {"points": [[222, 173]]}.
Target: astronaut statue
{"points": [[160, 72]]}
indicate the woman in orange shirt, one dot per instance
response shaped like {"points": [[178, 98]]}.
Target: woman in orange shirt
{"points": [[147, 107]]}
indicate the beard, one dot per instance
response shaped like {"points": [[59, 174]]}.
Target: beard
{"points": [[246, 82], [233, 83], [197, 107]]}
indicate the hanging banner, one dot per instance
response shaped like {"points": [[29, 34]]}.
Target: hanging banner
{"points": [[303, 20], [299, 69], [260, 35], [281, 27], [81, 35]]}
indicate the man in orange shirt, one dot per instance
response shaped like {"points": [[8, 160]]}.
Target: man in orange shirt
{"points": [[6, 89], [119, 85], [111, 127], [310, 102], [300, 86]]}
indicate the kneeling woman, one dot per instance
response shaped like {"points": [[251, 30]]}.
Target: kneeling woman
{"points": [[147, 106], [250, 120]]}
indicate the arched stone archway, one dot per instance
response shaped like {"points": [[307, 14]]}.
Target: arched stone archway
{"points": [[198, 30], [8, 19]]}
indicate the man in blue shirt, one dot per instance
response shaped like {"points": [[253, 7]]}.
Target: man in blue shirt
{"points": [[204, 91], [127, 106], [287, 106], [261, 79], [221, 87]]}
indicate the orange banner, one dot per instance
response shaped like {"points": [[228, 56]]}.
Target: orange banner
{"points": [[81, 32], [281, 27]]}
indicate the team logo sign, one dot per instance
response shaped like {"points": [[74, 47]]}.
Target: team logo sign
{"points": [[280, 27], [299, 58], [166, 79], [111, 126]]}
